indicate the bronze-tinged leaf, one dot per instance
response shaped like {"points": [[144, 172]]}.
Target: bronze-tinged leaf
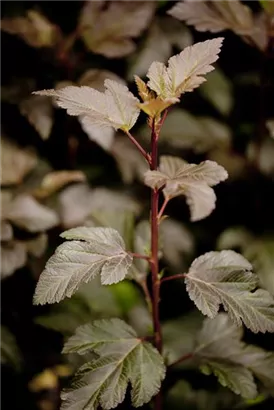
{"points": [[35, 29], [154, 107], [56, 180]]}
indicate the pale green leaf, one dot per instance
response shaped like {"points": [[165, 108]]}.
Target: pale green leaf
{"points": [[91, 301], [10, 353], [237, 378], [116, 108], [194, 181], [225, 278], [27, 213], [93, 252], [219, 347], [123, 359], [185, 70]]}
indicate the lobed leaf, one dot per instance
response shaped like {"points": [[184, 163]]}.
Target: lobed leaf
{"points": [[185, 70], [220, 350], [116, 108], [194, 181], [122, 359], [216, 16], [92, 252], [225, 278]]}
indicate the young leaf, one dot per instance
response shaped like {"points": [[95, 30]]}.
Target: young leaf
{"points": [[116, 108], [91, 252], [216, 16], [10, 353], [194, 181], [104, 34], [185, 71], [95, 78], [225, 278], [123, 358], [25, 212]]}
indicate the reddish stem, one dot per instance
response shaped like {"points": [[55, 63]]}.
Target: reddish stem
{"points": [[139, 256], [140, 148], [154, 258], [181, 359], [160, 214], [172, 277]]}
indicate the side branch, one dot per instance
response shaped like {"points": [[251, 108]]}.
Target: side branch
{"points": [[181, 359], [140, 148], [172, 277]]}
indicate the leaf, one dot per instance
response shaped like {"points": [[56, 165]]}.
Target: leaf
{"points": [[79, 202], [38, 245], [26, 213], [156, 48], [218, 91], [10, 353], [185, 70], [35, 29], [260, 253], [264, 158], [186, 131], [95, 78], [6, 231], [104, 34], [91, 301], [116, 108], [194, 181], [130, 162], [220, 344], [225, 278], [54, 181], [215, 17], [16, 162], [92, 252], [237, 378], [39, 112], [180, 335], [123, 358], [13, 257], [177, 241], [270, 126]]}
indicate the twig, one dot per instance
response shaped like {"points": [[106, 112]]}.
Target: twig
{"points": [[160, 214], [181, 359], [140, 148], [172, 277]]}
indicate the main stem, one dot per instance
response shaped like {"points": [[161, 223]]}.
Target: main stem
{"points": [[154, 258]]}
